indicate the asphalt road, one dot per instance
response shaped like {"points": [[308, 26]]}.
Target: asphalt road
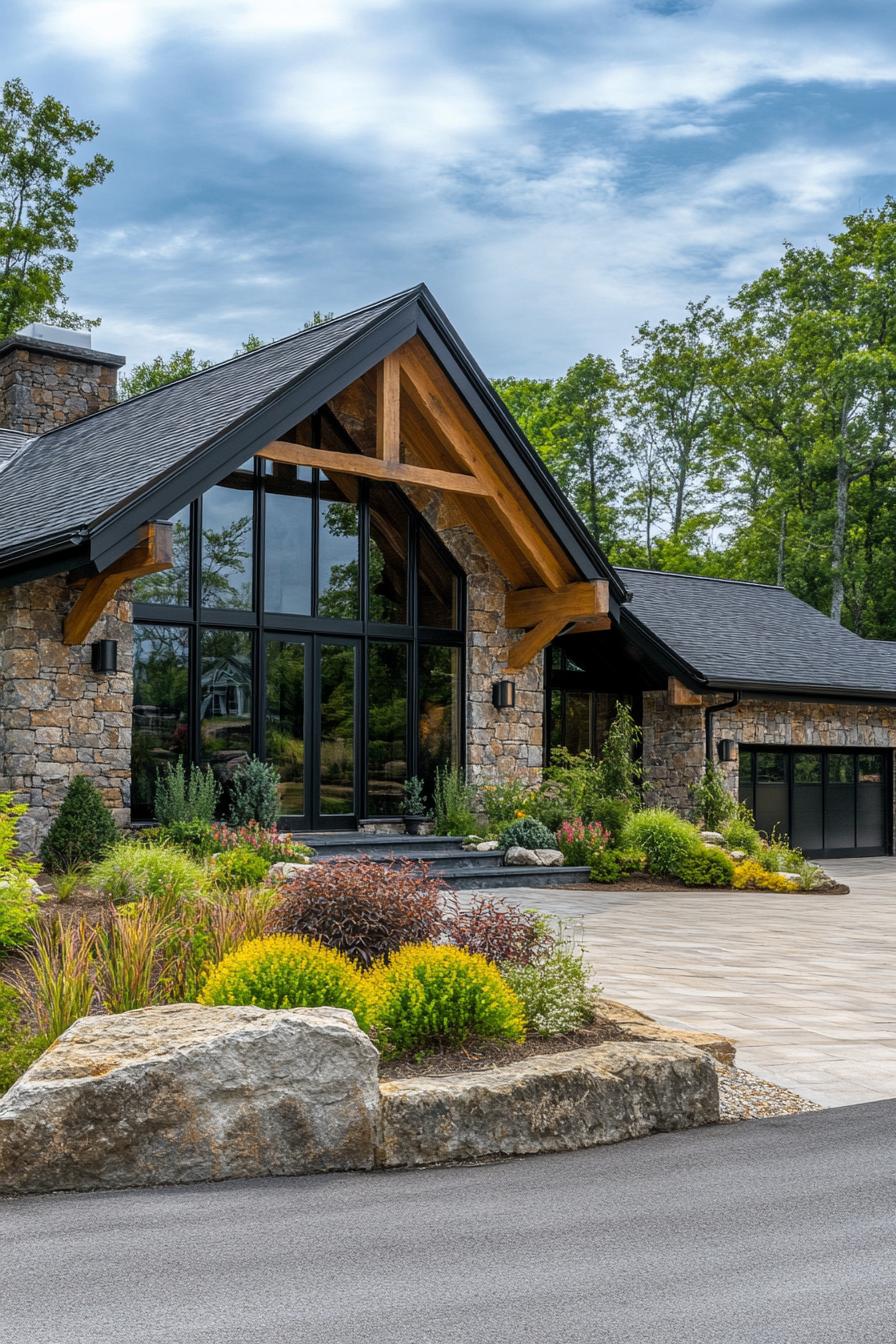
{"points": [[779, 1231]]}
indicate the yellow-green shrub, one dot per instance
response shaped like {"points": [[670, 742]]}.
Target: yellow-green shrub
{"points": [[428, 997], [752, 875], [284, 971]]}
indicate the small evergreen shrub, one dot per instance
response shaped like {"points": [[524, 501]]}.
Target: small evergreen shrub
{"points": [[83, 829], [713, 804], [579, 840], [452, 799], [366, 910], [664, 837], [496, 929], [619, 772], [434, 998], [413, 798], [553, 990], [237, 868], [135, 872], [182, 795], [255, 794], [706, 867], [611, 865], [196, 838], [751, 875], [288, 972], [528, 834], [612, 813]]}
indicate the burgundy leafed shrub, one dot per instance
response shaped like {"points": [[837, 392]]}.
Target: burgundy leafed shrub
{"points": [[496, 929], [362, 908]]}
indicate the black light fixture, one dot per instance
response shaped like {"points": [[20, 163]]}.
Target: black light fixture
{"points": [[104, 656], [504, 694], [727, 749]]}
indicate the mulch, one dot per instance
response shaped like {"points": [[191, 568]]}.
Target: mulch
{"points": [[492, 1054]]}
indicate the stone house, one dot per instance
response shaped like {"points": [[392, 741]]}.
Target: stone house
{"points": [[339, 552]]}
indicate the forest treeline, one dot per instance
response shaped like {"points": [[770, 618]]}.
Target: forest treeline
{"points": [[750, 442]]}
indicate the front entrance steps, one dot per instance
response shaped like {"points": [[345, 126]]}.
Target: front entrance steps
{"points": [[464, 869]]}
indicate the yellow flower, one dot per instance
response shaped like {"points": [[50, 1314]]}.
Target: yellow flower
{"points": [[518, 813]]}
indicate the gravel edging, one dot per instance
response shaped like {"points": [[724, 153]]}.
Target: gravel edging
{"points": [[743, 1096]]}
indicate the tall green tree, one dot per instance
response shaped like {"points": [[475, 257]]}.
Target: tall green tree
{"points": [[40, 187]]}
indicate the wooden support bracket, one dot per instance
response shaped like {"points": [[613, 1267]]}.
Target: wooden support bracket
{"points": [[538, 638], [680, 695], [152, 552], [575, 601], [388, 409]]}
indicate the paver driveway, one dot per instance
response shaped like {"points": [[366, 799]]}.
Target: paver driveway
{"points": [[805, 984]]}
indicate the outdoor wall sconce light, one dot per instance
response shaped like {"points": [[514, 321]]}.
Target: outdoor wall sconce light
{"points": [[104, 656], [727, 749], [504, 694]]}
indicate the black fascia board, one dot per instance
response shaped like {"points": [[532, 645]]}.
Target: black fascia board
{"points": [[801, 691], [665, 657], [44, 562], [514, 448], [282, 410]]}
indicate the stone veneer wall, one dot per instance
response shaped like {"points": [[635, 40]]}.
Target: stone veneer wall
{"points": [[43, 388], [674, 738], [57, 717], [501, 744]]}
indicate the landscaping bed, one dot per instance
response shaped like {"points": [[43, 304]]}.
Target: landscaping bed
{"points": [[480, 1055]]}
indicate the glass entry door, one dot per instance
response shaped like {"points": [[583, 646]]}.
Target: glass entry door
{"points": [[311, 728]]}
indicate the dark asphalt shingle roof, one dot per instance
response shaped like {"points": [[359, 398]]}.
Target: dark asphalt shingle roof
{"points": [[68, 478], [736, 634], [12, 441]]}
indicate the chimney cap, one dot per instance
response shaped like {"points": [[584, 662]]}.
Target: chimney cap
{"points": [[42, 331]]}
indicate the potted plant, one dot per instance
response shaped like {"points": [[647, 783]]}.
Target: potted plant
{"points": [[413, 806]]}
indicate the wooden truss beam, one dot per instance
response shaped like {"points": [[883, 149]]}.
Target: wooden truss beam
{"points": [[388, 413], [538, 638], [152, 552], [576, 601], [357, 464], [432, 392], [680, 695]]}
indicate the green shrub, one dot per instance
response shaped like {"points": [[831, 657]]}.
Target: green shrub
{"points": [[706, 867], [452, 799], [742, 834], [613, 864], [284, 971], [182, 795], [276, 846], [528, 834], [553, 990], [83, 829], [238, 868], [135, 872], [413, 798], [713, 804], [196, 838], [664, 837], [18, 1048], [432, 998], [255, 793], [570, 784], [619, 772], [504, 803], [19, 910], [612, 813]]}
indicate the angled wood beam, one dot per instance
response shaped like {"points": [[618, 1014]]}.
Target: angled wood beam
{"points": [[153, 552], [589, 625], [357, 464], [432, 392], [388, 414], [525, 649], [528, 606], [680, 695]]}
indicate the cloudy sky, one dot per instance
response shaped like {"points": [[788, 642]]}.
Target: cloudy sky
{"points": [[555, 170]]}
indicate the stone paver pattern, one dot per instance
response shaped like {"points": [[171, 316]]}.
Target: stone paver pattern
{"points": [[805, 984]]}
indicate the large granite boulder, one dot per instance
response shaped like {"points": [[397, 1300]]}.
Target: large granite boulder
{"points": [[187, 1093], [548, 1103]]}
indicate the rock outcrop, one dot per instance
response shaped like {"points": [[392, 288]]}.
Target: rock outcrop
{"points": [[187, 1093], [548, 1103]]}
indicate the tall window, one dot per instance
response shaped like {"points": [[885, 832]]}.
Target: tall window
{"points": [[310, 619]]}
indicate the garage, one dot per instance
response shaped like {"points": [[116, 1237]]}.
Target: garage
{"points": [[830, 802]]}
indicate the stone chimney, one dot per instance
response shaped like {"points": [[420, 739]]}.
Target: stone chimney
{"points": [[50, 376]]}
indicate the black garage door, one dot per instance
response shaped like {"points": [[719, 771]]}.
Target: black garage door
{"points": [[830, 802]]}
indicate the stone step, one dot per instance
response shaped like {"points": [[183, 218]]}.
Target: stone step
{"points": [[487, 877]]}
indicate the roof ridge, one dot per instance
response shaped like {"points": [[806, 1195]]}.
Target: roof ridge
{"points": [[245, 354], [707, 578]]}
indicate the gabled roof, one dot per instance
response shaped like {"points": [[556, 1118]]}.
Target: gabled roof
{"points": [[731, 635], [12, 441], [75, 495]]}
